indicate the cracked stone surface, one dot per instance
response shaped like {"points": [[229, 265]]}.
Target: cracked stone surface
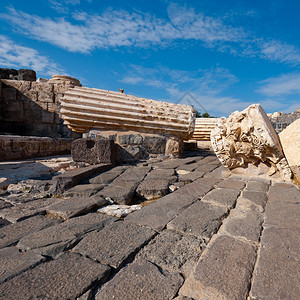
{"points": [[212, 236]]}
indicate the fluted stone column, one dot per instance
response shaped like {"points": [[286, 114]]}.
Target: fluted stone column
{"points": [[203, 128], [83, 109]]}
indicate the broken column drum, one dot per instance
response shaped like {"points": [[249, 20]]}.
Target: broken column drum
{"points": [[83, 109]]}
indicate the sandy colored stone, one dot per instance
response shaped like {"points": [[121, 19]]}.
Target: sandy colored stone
{"points": [[290, 141], [248, 137]]}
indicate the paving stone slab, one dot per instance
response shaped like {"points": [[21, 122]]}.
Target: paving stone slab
{"points": [[141, 280], [115, 243], [105, 178], [152, 188], [13, 262], [282, 214], [222, 196], [84, 190], [4, 204], [75, 206], [4, 222], [284, 193], [121, 192], [168, 164], [12, 233], [277, 275], [156, 215], [232, 184], [173, 251], [258, 198], [67, 277], [162, 174], [190, 167], [245, 223], [206, 168], [201, 219], [258, 186], [190, 177], [22, 211], [220, 172], [53, 240], [67, 180], [224, 272]]}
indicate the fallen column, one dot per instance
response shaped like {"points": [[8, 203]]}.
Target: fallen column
{"points": [[83, 109]]}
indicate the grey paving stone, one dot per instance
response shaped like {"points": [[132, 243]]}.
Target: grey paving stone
{"points": [[4, 222], [284, 193], [190, 177], [244, 223], [13, 262], [12, 233], [141, 280], [85, 190], [115, 243], [67, 277], [282, 214], [75, 206], [106, 177], [152, 188], [258, 198], [190, 167], [53, 240], [232, 184], [206, 168], [277, 275], [21, 211], [222, 196], [224, 272], [156, 215], [4, 204], [65, 181], [201, 219], [200, 187], [121, 192], [168, 164], [173, 251], [258, 186], [220, 172], [162, 174]]}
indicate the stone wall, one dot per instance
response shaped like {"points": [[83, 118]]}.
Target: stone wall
{"points": [[32, 107], [20, 147]]}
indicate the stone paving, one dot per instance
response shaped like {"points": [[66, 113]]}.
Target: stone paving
{"points": [[194, 232]]}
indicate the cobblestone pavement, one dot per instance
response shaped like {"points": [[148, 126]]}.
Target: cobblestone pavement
{"points": [[175, 229]]}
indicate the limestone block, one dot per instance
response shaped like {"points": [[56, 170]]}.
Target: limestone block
{"points": [[290, 141], [248, 137]]}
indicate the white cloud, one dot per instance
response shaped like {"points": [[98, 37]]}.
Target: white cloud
{"points": [[199, 88], [285, 84], [61, 6], [13, 55], [84, 32]]}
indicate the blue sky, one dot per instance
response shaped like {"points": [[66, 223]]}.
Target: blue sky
{"points": [[226, 54]]}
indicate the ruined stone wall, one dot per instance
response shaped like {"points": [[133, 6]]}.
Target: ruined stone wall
{"points": [[32, 108]]}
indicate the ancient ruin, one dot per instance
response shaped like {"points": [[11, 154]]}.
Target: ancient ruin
{"points": [[84, 109], [248, 137], [131, 215]]}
